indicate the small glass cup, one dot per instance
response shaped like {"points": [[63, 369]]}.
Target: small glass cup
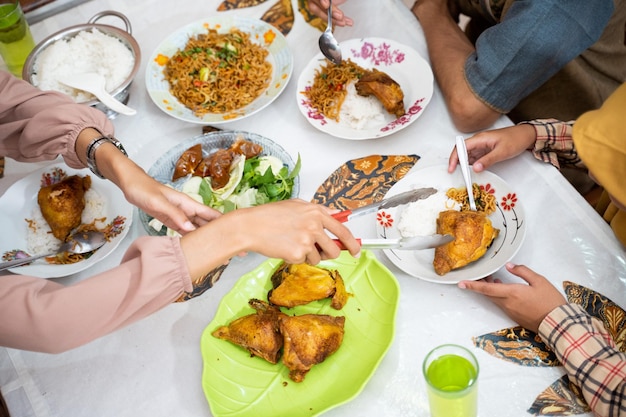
{"points": [[451, 374], [16, 40]]}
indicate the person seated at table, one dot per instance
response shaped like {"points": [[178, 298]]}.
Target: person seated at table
{"points": [[50, 317], [528, 60], [580, 341]]}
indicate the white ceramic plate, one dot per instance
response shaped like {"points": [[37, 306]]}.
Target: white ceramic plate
{"points": [[18, 203], [508, 217], [279, 56], [163, 169], [402, 63]]}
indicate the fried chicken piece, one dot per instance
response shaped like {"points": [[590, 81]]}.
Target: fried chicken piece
{"points": [[473, 234], [187, 162], [257, 332], [298, 284], [62, 204], [384, 88], [308, 340]]}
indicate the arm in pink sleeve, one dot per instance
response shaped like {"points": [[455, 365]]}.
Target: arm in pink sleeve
{"points": [[47, 316], [39, 125]]}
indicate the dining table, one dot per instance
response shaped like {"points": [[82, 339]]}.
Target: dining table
{"points": [[154, 367]]}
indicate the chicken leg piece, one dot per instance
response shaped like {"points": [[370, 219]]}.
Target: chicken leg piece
{"points": [[62, 204], [299, 284], [308, 340], [473, 234], [257, 332]]}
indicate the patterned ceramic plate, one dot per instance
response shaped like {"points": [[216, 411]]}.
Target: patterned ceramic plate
{"points": [[508, 217], [261, 32], [21, 199], [239, 385], [402, 63]]}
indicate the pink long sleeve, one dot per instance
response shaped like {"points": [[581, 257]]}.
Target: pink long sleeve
{"points": [[43, 315], [40, 125]]}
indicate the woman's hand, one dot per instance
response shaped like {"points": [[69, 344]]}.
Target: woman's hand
{"points": [[489, 147], [528, 304], [320, 7], [295, 231], [174, 209]]}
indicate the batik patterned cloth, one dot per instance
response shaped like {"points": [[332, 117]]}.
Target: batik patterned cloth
{"points": [[526, 348], [363, 181]]}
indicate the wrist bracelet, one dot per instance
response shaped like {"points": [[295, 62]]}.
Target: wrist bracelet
{"points": [[94, 145]]}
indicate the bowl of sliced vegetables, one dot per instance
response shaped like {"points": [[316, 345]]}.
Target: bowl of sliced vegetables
{"points": [[226, 170]]}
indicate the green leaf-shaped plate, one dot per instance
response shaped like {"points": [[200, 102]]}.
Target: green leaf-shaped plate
{"points": [[237, 384]]}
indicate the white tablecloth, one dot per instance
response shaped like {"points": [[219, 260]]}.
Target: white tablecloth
{"points": [[154, 368]]}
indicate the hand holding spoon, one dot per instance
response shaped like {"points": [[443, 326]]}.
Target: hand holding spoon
{"points": [[328, 44]]}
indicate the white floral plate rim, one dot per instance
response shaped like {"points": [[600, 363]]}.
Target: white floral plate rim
{"points": [[279, 56], [20, 199], [401, 62], [509, 218]]}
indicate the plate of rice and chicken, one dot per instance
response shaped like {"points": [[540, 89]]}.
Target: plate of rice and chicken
{"points": [[380, 87], [29, 232], [219, 69], [485, 240]]}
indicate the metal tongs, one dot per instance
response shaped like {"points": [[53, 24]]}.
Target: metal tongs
{"points": [[410, 243]]}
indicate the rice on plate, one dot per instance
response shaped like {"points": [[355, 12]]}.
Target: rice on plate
{"points": [[88, 51], [419, 218]]}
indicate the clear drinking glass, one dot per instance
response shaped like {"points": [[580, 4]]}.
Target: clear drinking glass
{"points": [[451, 373], [16, 40]]}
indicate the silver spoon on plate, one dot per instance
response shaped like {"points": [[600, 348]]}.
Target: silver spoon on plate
{"points": [[461, 151], [80, 242], [328, 44]]}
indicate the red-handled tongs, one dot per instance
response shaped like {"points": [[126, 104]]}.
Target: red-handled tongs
{"points": [[397, 200]]}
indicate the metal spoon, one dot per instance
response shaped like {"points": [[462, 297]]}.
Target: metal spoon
{"points": [[461, 151], [328, 44], [94, 83], [81, 242]]}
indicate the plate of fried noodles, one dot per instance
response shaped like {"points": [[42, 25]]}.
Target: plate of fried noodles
{"points": [[219, 69], [105, 210], [494, 196], [328, 99]]}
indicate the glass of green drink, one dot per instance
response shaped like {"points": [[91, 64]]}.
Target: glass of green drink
{"points": [[451, 373], [16, 41]]}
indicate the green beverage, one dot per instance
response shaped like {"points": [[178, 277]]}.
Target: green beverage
{"points": [[451, 377], [16, 41]]}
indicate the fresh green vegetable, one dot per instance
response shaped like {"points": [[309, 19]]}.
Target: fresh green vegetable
{"points": [[255, 181]]}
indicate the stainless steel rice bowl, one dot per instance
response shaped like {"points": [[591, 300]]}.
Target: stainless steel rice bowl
{"points": [[121, 92]]}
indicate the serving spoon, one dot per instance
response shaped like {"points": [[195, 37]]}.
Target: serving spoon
{"points": [[461, 151], [80, 242], [328, 44], [94, 83]]}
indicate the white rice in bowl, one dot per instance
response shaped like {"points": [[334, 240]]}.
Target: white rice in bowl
{"points": [[361, 112], [419, 218], [88, 51], [39, 238]]}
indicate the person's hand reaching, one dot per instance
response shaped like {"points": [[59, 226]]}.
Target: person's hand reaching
{"points": [[174, 209], [487, 148], [320, 7], [528, 304]]}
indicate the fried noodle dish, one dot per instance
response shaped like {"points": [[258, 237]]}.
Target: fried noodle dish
{"points": [[328, 91], [485, 202], [218, 72]]}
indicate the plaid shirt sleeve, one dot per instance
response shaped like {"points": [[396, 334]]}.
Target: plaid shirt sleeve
{"points": [[554, 143], [590, 357]]}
